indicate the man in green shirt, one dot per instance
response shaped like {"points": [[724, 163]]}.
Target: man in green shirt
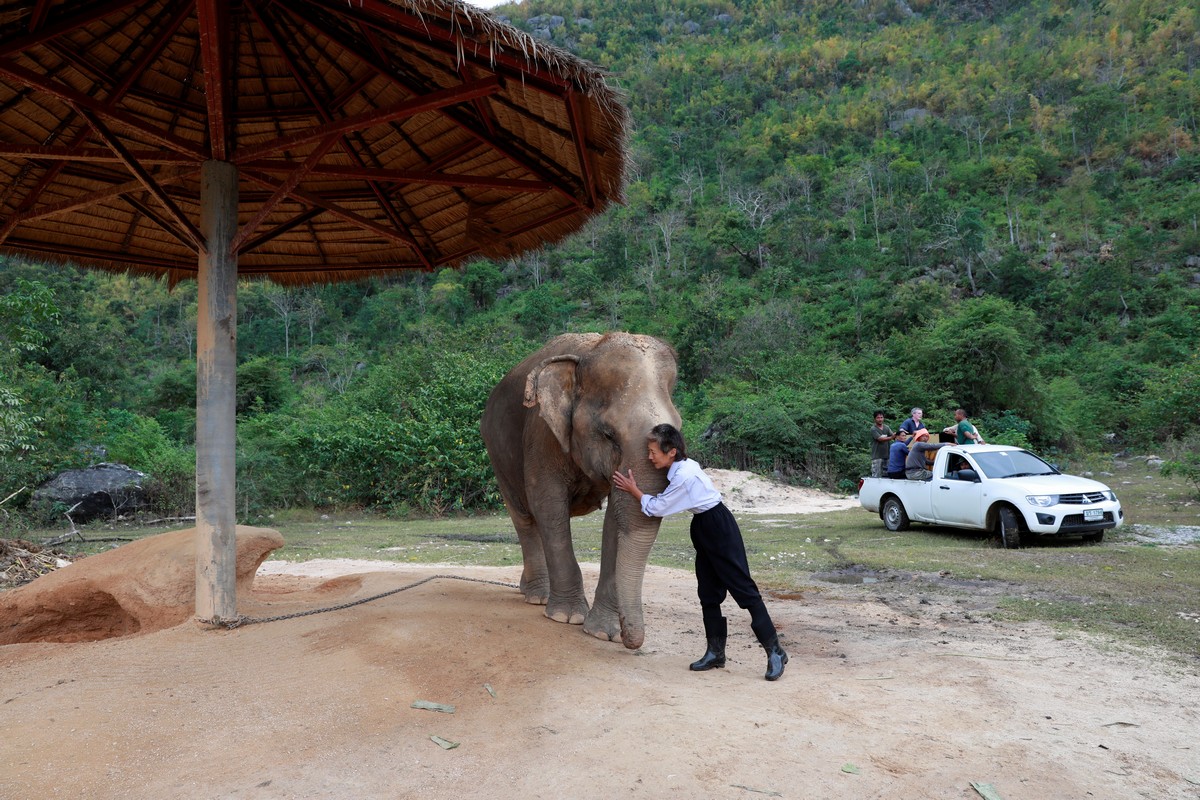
{"points": [[964, 432]]}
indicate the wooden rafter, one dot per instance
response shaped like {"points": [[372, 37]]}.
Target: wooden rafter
{"points": [[313, 199], [408, 108], [327, 116], [574, 112], [295, 175], [40, 34], [214, 29], [146, 179], [405, 176], [81, 101], [94, 155], [301, 218]]}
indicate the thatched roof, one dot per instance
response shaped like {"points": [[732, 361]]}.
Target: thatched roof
{"points": [[370, 135]]}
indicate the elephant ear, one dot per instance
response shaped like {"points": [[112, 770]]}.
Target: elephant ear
{"points": [[551, 387]]}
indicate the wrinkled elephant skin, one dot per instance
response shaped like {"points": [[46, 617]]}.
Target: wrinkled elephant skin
{"points": [[556, 427]]}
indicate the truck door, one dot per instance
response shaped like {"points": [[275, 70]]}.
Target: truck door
{"points": [[957, 493]]}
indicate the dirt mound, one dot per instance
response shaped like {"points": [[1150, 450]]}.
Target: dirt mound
{"points": [[143, 586], [747, 493]]}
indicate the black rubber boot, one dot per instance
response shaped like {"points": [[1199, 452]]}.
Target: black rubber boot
{"points": [[716, 632], [776, 658]]}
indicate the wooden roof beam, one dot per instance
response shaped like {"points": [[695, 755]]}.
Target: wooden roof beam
{"points": [[290, 182], [494, 141], [575, 115], [92, 154], [81, 101], [419, 105], [327, 116], [146, 179], [312, 199], [405, 176], [279, 230], [213, 18], [39, 35]]}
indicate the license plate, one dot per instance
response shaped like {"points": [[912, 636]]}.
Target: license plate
{"points": [[1093, 515]]}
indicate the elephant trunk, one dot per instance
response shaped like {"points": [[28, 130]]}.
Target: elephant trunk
{"points": [[636, 533], [632, 555]]}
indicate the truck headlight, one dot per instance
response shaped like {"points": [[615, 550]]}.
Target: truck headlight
{"points": [[1042, 499], [1111, 495]]}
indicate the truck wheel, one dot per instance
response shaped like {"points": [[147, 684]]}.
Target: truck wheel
{"points": [[895, 518], [1008, 528]]}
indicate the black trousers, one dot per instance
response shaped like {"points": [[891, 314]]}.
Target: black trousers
{"points": [[721, 565], [722, 569]]}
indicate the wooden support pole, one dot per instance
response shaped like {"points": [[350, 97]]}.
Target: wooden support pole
{"points": [[216, 406]]}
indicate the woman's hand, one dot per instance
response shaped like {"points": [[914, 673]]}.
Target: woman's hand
{"points": [[627, 483]]}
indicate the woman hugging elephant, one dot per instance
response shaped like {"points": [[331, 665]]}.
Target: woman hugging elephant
{"points": [[556, 428], [567, 428]]}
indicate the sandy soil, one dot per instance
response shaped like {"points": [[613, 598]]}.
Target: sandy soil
{"points": [[890, 693]]}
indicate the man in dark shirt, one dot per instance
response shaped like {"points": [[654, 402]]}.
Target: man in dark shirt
{"points": [[881, 436], [914, 424], [914, 465]]}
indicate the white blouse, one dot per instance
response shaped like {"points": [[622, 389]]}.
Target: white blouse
{"points": [[688, 489]]}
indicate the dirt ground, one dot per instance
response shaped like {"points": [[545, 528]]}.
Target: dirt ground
{"points": [[890, 693]]}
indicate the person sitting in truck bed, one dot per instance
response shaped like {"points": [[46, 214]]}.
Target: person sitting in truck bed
{"points": [[896, 455], [914, 465]]}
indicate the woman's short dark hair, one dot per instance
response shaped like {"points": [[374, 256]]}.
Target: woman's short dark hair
{"points": [[668, 438]]}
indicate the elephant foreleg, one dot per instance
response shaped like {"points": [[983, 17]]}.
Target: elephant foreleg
{"points": [[565, 601], [604, 620]]}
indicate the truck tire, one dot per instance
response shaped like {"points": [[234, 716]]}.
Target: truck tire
{"points": [[894, 517], [1008, 528]]}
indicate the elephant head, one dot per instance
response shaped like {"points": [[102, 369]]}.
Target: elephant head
{"points": [[600, 401]]}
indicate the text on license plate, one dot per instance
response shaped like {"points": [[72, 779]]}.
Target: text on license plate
{"points": [[1093, 514]]}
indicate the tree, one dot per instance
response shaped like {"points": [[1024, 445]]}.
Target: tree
{"points": [[286, 303], [24, 312]]}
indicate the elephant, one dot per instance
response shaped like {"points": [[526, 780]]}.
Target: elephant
{"points": [[556, 427]]}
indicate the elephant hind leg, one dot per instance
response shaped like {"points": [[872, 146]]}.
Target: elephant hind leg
{"points": [[535, 576]]}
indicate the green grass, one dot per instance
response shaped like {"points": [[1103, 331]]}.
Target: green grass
{"points": [[1122, 589]]}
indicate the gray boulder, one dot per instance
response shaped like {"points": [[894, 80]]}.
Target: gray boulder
{"points": [[100, 491], [550, 21]]}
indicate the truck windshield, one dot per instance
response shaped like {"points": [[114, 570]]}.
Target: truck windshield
{"points": [[1012, 464]]}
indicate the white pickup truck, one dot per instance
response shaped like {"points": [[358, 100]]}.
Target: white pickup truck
{"points": [[996, 488]]}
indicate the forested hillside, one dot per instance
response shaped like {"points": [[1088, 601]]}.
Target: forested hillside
{"points": [[832, 207]]}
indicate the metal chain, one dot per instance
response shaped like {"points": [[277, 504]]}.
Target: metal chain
{"points": [[241, 619]]}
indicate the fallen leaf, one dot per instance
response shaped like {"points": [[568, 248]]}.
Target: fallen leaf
{"points": [[986, 791], [767, 792], [428, 706], [850, 768], [445, 744], [490, 690]]}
